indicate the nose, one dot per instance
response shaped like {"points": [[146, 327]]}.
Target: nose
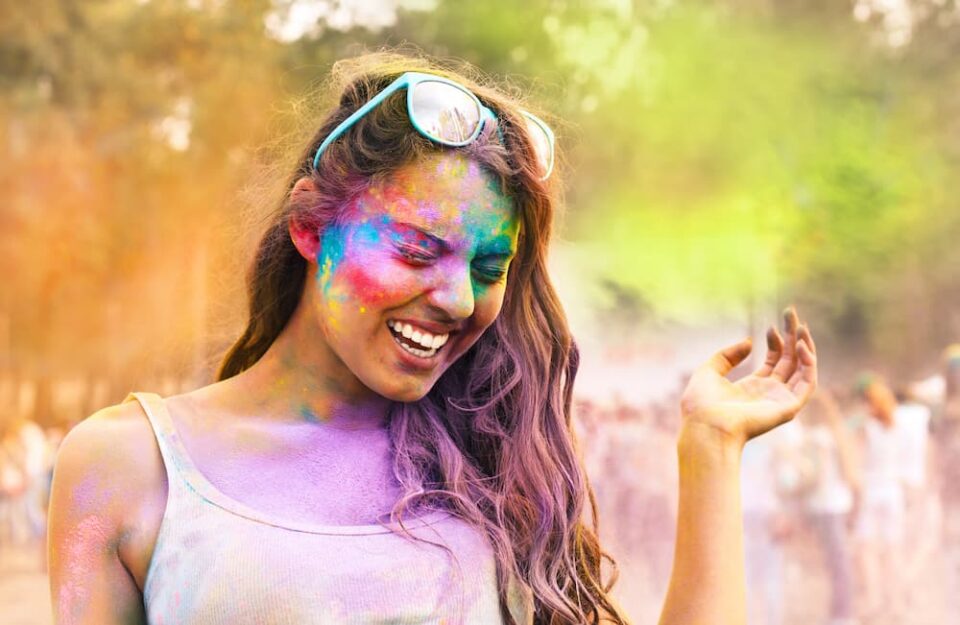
{"points": [[452, 291]]}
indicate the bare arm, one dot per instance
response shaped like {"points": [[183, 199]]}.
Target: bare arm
{"points": [[846, 446], [707, 584], [89, 506]]}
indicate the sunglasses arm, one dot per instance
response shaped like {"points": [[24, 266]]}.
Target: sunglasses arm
{"points": [[348, 123]]}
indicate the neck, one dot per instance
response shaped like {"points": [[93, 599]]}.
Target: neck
{"points": [[301, 377]]}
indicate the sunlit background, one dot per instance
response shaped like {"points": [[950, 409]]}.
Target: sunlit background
{"points": [[720, 161]]}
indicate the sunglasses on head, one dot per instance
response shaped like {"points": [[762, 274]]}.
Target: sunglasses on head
{"points": [[447, 113]]}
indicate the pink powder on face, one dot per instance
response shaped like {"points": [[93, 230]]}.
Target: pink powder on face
{"points": [[429, 243], [369, 288]]}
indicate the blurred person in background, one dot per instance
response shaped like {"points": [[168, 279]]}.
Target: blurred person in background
{"points": [[590, 424], [626, 442], [659, 468], [881, 507], [37, 461], [829, 498], [946, 435], [770, 478], [644, 462], [12, 487], [16, 526], [922, 507], [406, 359]]}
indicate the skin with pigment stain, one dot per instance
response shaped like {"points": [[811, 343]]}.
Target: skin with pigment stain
{"points": [[406, 211], [85, 554], [431, 242]]}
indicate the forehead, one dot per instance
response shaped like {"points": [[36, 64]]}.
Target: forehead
{"points": [[445, 193]]}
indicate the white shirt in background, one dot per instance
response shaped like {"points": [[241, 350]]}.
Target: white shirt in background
{"points": [[830, 493], [914, 422]]}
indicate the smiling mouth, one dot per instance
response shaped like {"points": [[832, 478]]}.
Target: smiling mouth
{"points": [[416, 341]]}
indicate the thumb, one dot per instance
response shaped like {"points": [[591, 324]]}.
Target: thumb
{"points": [[727, 358]]}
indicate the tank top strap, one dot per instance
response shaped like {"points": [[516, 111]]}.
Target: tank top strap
{"points": [[163, 430]]}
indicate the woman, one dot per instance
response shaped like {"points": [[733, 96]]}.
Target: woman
{"points": [[880, 514], [406, 357], [946, 438], [829, 501]]}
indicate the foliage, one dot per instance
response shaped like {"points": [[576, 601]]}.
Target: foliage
{"points": [[716, 156]]}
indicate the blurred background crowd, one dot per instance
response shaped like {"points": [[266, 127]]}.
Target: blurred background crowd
{"points": [[720, 160], [851, 511]]}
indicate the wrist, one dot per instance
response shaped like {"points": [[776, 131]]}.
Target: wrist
{"points": [[708, 443]]}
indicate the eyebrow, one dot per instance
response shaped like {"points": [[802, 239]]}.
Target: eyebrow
{"points": [[434, 238], [497, 251]]}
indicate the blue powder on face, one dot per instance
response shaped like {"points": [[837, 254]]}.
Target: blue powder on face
{"points": [[333, 247], [308, 415], [330, 254], [334, 239]]}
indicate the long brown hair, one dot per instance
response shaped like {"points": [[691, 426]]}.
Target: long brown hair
{"points": [[492, 440]]}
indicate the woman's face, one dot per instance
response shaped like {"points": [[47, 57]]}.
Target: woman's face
{"points": [[414, 272]]}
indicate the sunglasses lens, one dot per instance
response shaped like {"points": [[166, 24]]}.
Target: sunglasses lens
{"points": [[542, 144], [443, 112]]}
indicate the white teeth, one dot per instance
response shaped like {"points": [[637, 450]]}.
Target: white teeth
{"points": [[429, 353], [430, 342]]}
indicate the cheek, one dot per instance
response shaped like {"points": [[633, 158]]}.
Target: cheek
{"points": [[376, 281], [489, 303], [367, 284], [354, 273]]}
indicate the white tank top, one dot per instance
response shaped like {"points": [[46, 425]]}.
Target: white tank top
{"points": [[219, 562]]}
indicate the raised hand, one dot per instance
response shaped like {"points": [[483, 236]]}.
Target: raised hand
{"points": [[771, 395]]}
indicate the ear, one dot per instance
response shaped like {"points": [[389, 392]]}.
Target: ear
{"points": [[304, 232]]}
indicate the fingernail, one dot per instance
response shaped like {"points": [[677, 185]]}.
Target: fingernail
{"points": [[790, 317]]}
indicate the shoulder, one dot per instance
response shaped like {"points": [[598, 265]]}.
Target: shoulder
{"points": [[116, 437], [106, 505], [107, 462]]}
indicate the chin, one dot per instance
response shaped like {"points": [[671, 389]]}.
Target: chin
{"points": [[405, 393]]}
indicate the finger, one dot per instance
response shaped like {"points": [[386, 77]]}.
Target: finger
{"points": [[805, 335], [806, 357], [804, 381], [726, 359], [774, 350], [803, 340], [788, 359]]}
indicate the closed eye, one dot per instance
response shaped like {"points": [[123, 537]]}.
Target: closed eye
{"points": [[415, 254], [490, 274]]}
